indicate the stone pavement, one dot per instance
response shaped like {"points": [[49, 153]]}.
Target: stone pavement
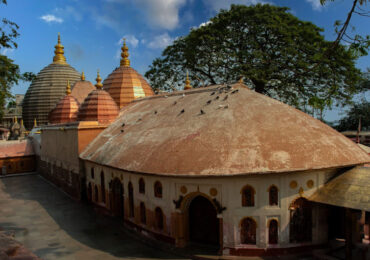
{"points": [[53, 226]]}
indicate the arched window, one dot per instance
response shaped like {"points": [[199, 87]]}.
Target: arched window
{"points": [[142, 213], [141, 186], [273, 231], [92, 172], [102, 185], [248, 231], [158, 189], [158, 218], [131, 199], [96, 194], [248, 196], [273, 196]]}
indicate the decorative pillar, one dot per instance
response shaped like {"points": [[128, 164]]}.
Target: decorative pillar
{"points": [[366, 239], [180, 230]]}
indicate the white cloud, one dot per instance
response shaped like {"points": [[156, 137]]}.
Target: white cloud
{"points": [[67, 12], [216, 5], [204, 24], [131, 40], [160, 41], [162, 13], [316, 5], [50, 18]]}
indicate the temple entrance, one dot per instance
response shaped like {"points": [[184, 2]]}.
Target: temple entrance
{"points": [[203, 222], [300, 221], [117, 198]]}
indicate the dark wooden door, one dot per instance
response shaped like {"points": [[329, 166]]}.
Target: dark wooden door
{"points": [[203, 222], [300, 221], [117, 194]]}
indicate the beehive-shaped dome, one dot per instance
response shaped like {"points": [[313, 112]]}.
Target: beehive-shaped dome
{"points": [[48, 88], [98, 106], [82, 88], [125, 84], [66, 110]]}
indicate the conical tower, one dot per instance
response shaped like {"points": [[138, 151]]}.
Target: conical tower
{"points": [[48, 88], [125, 84]]}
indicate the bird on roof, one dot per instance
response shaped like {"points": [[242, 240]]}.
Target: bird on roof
{"points": [[209, 102]]}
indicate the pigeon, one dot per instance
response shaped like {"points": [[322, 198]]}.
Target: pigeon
{"points": [[123, 124], [209, 102], [213, 93], [182, 111], [202, 112], [155, 112], [235, 91], [217, 97], [225, 97]]}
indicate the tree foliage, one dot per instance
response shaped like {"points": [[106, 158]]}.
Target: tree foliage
{"points": [[277, 54], [9, 72], [359, 44], [351, 120]]}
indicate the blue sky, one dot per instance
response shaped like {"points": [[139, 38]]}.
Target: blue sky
{"points": [[91, 29]]}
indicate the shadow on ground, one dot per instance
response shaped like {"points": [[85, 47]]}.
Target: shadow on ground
{"points": [[54, 226]]}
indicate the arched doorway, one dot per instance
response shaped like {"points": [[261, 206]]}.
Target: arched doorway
{"points": [[300, 221], [117, 197], [273, 232], [89, 192], [131, 200], [248, 233], [203, 222]]}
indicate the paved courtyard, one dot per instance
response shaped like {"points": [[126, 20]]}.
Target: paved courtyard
{"points": [[54, 226]]}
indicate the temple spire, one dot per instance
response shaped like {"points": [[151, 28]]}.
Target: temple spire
{"points": [[68, 91], [125, 62], [187, 82], [59, 53], [34, 123], [82, 76], [98, 84]]}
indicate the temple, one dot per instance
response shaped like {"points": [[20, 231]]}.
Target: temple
{"points": [[219, 165]]}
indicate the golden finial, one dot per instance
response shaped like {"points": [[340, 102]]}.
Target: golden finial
{"points": [[34, 123], [21, 122], [124, 54], [83, 76], [98, 84], [15, 119], [241, 80], [187, 82], [59, 53], [68, 91]]}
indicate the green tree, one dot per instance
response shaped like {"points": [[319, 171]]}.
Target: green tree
{"points": [[277, 54], [352, 118], [9, 72], [359, 44]]}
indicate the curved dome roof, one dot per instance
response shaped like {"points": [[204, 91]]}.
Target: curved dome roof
{"points": [[66, 110], [217, 131], [82, 88], [98, 106], [125, 84], [47, 89]]}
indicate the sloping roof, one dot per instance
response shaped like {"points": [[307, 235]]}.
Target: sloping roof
{"points": [[365, 148], [239, 132], [15, 148], [349, 190]]}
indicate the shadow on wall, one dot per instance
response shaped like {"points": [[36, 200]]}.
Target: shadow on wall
{"points": [[78, 220]]}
